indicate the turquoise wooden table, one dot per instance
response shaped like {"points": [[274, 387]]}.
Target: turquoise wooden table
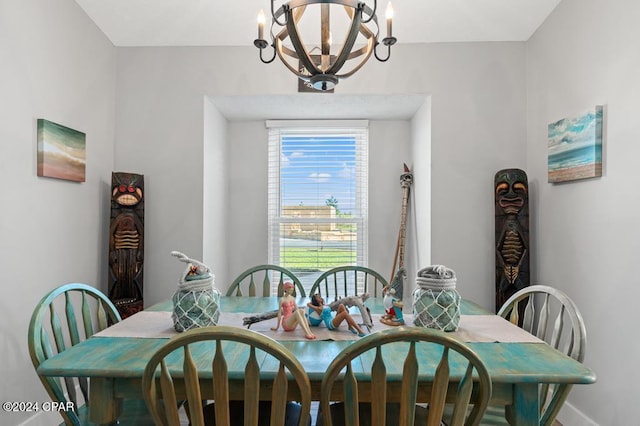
{"points": [[115, 364]]}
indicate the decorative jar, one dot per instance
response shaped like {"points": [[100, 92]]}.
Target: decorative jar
{"points": [[196, 302], [436, 302]]}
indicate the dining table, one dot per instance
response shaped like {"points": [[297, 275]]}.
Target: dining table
{"points": [[114, 360]]}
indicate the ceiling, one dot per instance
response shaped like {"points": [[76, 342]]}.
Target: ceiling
{"points": [[130, 23], [233, 22]]}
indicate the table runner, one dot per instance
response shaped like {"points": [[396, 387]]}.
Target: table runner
{"points": [[472, 328]]}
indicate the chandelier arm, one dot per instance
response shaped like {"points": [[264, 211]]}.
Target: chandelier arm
{"points": [[284, 32], [375, 52], [272, 57], [276, 14], [348, 44], [371, 13]]}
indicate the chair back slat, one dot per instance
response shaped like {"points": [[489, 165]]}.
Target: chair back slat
{"points": [[252, 382], [543, 318], [44, 350], [352, 413], [281, 283], [56, 329], [71, 320], [246, 281], [221, 385], [378, 393], [558, 328], [103, 317], [566, 333], [432, 348], [278, 397], [349, 280], [529, 317], [266, 284], [409, 387], [440, 387], [252, 287], [514, 316], [230, 344], [464, 397], [172, 416]]}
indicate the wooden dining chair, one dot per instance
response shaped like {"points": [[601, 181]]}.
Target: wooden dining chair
{"points": [[262, 275], [63, 318], [552, 316], [205, 376], [433, 363], [348, 280]]}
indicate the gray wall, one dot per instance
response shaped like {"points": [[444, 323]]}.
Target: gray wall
{"points": [[54, 64], [215, 177], [475, 89], [585, 234]]}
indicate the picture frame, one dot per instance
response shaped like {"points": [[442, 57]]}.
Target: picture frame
{"points": [[61, 152], [575, 147]]}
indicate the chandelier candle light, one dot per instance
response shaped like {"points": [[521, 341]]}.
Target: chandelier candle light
{"points": [[323, 70]]}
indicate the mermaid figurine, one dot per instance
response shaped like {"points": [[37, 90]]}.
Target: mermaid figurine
{"points": [[289, 314], [320, 313]]}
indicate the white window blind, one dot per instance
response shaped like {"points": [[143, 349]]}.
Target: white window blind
{"points": [[318, 187]]}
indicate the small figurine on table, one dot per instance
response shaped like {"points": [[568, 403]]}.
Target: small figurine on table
{"points": [[393, 309], [319, 313], [289, 314]]}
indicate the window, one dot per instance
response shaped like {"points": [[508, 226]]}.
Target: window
{"points": [[317, 196]]}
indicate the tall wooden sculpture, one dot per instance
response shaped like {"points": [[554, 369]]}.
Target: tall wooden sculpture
{"points": [[397, 276], [126, 242], [512, 233]]}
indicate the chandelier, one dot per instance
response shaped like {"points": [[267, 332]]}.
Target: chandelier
{"points": [[323, 64]]}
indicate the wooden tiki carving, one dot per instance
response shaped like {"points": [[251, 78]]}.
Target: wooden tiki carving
{"points": [[512, 233], [126, 242]]}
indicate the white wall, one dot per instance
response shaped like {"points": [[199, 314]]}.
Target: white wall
{"points": [[419, 215], [54, 64], [389, 149], [477, 128], [215, 177], [585, 234], [247, 203]]}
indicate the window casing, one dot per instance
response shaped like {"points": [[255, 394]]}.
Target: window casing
{"points": [[318, 195]]}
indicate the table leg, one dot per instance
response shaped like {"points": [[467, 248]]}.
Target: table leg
{"points": [[525, 410], [104, 407]]}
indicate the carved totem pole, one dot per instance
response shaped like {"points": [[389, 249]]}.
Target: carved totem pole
{"points": [[126, 243], [512, 233]]}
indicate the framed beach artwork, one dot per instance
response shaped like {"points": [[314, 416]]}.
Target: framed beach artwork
{"points": [[61, 151], [575, 147]]}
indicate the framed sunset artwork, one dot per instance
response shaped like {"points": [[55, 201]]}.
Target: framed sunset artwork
{"points": [[61, 151], [575, 147]]}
